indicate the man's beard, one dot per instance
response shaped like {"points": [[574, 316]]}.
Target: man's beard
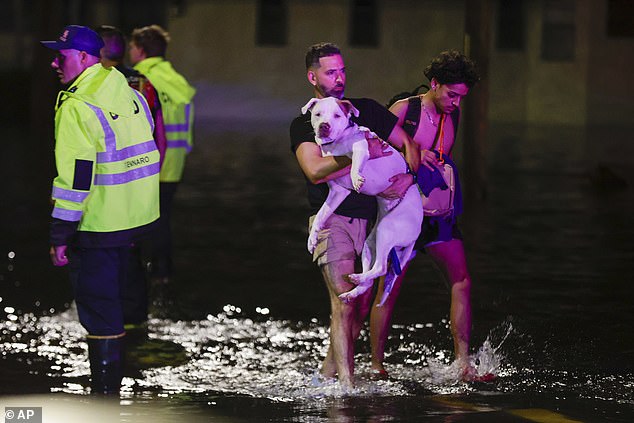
{"points": [[337, 91]]}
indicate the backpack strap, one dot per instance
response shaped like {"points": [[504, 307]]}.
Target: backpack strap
{"points": [[412, 117], [455, 119]]}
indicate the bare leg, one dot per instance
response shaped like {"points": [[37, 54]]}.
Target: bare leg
{"points": [[381, 320], [450, 258], [328, 366], [345, 322]]}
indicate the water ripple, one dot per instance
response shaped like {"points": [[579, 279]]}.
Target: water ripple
{"points": [[277, 360]]}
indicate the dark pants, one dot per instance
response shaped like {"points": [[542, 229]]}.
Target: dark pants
{"points": [[97, 276], [161, 255], [134, 292]]}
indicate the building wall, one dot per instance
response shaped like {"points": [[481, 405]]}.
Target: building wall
{"points": [[525, 88], [556, 91], [214, 45], [610, 85], [595, 89]]}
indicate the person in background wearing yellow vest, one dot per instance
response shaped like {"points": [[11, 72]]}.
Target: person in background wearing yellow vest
{"points": [[147, 54], [106, 193], [112, 54]]}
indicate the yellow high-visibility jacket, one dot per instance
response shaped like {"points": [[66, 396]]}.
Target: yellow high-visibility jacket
{"points": [[107, 161], [175, 95]]}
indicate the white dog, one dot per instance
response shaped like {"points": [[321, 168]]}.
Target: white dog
{"points": [[398, 221]]}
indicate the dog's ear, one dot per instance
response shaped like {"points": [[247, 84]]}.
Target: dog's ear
{"points": [[348, 107], [309, 105]]}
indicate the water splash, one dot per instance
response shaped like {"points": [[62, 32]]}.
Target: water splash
{"points": [[443, 376], [260, 357], [488, 359]]}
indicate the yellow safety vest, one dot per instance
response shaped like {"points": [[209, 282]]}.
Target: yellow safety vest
{"points": [[106, 157], [175, 95]]}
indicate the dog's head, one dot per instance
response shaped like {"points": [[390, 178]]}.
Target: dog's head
{"points": [[329, 117]]}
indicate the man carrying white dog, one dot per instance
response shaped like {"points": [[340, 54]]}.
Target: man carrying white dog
{"points": [[340, 244]]}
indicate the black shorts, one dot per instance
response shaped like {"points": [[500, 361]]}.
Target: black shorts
{"points": [[437, 229]]}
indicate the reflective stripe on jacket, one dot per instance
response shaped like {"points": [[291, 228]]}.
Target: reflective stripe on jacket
{"points": [[175, 95], [107, 161]]}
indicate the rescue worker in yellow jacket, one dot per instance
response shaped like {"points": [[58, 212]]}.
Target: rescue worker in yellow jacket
{"points": [[147, 51], [106, 193]]}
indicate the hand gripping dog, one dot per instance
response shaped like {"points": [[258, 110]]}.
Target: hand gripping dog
{"points": [[398, 221]]}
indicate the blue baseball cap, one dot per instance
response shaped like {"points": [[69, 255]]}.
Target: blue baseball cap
{"points": [[77, 37]]}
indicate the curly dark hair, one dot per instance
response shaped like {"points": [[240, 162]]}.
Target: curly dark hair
{"points": [[319, 50], [452, 67]]}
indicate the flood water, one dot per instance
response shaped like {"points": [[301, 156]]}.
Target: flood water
{"points": [[550, 253]]}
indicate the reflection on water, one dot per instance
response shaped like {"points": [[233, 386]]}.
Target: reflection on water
{"points": [[231, 356], [274, 359], [550, 254]]}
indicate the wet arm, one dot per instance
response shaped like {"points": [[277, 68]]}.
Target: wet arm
{"points": [[410, 149]]}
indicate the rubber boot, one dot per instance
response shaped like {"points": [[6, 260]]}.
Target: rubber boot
{"points": [[105, 365]]}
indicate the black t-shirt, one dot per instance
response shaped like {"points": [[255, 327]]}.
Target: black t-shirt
{"points": [[371, 115]]}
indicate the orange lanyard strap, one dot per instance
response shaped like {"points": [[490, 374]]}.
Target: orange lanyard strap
{"points": [[441, 133]]}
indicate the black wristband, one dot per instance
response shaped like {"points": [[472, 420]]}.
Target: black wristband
{"points": [[414, 175]]}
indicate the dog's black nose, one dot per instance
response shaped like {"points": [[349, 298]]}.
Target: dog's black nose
{"points": [[324, 129]]}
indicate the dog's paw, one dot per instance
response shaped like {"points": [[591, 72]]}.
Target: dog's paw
{"points": [[384, 298], [347, 297], [312, 241], [360, 289], [357, 182], [354, 278]]}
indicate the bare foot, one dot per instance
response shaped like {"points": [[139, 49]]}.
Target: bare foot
{"points": [[470, 374], [378, 372], [328, 368], [346, 383]]}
